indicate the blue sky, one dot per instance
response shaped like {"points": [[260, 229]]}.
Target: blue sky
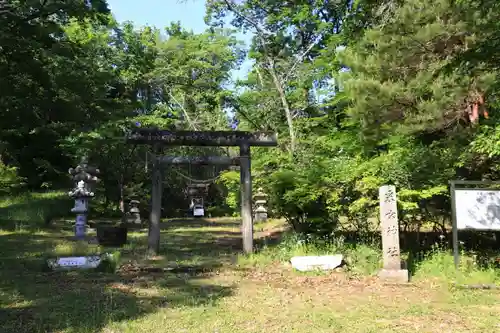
{"points": [[160, 13]]}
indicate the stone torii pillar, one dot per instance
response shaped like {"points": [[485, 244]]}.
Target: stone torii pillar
{"points": [[246, 197]]}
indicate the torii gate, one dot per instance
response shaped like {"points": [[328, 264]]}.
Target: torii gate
{"points": [[203, 138]]}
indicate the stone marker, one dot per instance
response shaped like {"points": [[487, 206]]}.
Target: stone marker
{"points": [[85, 262], [390, 236], [310, 263]]}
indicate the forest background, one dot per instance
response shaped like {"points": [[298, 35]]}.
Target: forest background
{"points": [[361, 93]]}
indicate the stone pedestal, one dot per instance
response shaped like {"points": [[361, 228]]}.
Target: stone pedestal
{"points": [[392, 271], [394, 275], [80, 226]]}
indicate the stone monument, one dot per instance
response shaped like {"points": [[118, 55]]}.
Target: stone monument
{"points": [[392, 271], [260, 212]]}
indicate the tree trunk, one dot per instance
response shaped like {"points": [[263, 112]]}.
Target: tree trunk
{"points": [[286, 106], [277, 83]]}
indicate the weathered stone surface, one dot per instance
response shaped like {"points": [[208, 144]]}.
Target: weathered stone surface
{"points": [[260, 217], [389, 227], [80, 226], [390, 237], [394, 275], [202, 138], [309, 263]]}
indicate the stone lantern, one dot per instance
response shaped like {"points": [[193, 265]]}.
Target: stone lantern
{"points": [[84, 176], [260, 211], [134, 212]]}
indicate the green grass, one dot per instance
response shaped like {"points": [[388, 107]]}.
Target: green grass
{"points": [[30, 209], [439, 265], [233, 292], [362, 259]]}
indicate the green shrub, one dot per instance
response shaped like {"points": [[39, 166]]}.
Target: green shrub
{"points": [[110, 262], [10, 181]]}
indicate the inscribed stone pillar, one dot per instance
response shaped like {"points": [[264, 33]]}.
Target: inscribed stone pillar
{"points": [[390, 236]]}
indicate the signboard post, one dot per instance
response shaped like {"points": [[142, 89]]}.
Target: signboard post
{"points": [[473, 208]]}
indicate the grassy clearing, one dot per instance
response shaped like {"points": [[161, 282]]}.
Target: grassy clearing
{"points": [[33, 209], [232, 293]]}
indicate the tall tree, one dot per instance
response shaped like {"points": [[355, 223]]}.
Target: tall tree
{"points": [[397, 80], [41, 92]]}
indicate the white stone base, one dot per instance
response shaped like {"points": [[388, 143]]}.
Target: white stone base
{"points": [[310, 263], [394, 275]]}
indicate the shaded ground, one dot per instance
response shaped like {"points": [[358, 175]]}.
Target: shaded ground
{"points": [[220, 296], [33, 301]]}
